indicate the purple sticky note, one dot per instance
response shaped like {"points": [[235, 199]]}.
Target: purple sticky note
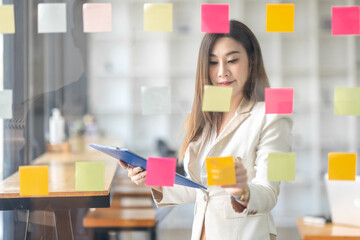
{"points": [[160, 171], [279, 100], [345, 20], [215, 18]]}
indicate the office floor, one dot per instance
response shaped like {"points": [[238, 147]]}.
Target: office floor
{"points": [[181, 234]]}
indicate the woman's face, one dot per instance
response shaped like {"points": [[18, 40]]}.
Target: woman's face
{"points": [[229, 65]]}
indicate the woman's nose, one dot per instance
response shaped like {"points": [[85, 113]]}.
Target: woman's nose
{"points": [[223, 71]]}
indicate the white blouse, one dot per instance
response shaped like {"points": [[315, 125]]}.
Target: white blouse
{"points": [[206, 148]]}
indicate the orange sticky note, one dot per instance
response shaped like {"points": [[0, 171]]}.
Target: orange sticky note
{"points": [[33, 180], [7, 20], [342, 166], [280, 17], [220, 170]]}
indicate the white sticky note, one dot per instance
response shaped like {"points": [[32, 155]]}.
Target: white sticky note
{"points": [[156, 100], [6, 104], [51, 17]]}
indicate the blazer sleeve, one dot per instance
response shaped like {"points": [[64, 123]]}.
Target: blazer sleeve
{"points": [[175, 195], [275, 136]]}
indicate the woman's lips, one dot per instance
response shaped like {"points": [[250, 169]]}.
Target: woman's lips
{"points": [[228, 83]]}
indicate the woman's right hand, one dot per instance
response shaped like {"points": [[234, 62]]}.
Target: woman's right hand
{"points": [[136, 174]]}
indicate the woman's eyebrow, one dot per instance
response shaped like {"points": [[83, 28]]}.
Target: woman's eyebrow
{"points": [[227, 54]]}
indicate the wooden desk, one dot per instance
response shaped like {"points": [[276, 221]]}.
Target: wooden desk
{"points": [[62, 194], [328, 231]]}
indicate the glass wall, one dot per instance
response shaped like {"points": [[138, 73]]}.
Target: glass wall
{"points": [[96, 81]]}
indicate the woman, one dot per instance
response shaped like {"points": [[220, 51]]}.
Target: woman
{"points": [[240, 211]]}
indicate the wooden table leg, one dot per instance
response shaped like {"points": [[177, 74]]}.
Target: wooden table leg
{"points": [[63, 225]]}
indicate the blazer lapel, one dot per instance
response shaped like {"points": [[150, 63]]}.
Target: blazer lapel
{"points": [[243, 112], [195, 148]]}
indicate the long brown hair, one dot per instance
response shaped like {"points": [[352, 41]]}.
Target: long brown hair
{"points": [[253, 89]]}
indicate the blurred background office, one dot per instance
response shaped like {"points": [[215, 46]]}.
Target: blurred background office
{"points": [[95, 80]]}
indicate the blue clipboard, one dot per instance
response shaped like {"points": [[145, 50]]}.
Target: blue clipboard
{"points": [[137, 161]]}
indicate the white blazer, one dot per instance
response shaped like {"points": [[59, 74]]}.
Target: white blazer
{"points": [[250, 136]]}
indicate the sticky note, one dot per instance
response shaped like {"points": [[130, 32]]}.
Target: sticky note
{"points": [[34, 180], [89, 176], [280, 17], [279, 100], [281, 166], [156, 100], [160, 171], [345, 20], [97, 17], [347, 101], [6, 97], [342, 166], [51, 17], [158, 17], [7, 20], [216, 99], [215, 18], [220, 171]]}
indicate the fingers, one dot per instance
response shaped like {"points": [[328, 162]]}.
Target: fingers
{"points": [[139, 179], [134, 171], [124, 165], [136, 174], [240, 173]]}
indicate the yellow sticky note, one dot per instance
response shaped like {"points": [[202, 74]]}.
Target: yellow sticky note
{"points": [[220, 170], [281, 166], [342, 166], [280, 17], [158, 17], [33, 180], [7, 22], [347, 101], [216, 99]]}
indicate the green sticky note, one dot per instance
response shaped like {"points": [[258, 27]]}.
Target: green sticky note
{"points": [[342, 166], [281, 166], [34, 180], [7, 20], [280, 17], [347, 101], [216, 99], [89, 176], [158, 17]]}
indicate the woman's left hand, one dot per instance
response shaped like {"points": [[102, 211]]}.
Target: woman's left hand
{"points": [[241, 180]]}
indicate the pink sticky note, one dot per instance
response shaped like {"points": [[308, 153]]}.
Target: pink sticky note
{"points": [[345, 20], [97, 17], [160, 171], [215, 18], [279, 100]]}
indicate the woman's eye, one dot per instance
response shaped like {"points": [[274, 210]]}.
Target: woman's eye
{"points": [[212, 62], [233, 61]]}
